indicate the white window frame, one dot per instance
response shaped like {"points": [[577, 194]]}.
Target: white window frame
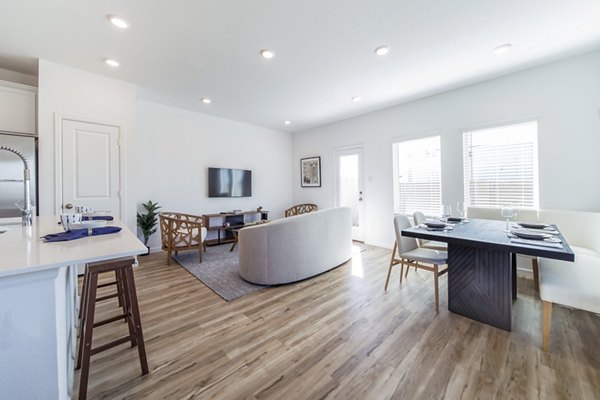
{"points": [[430, 207], [497, 196]]}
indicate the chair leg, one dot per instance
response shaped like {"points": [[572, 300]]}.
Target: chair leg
{"points": [[84, 317], [83, 289], [546, 324], [169, 257], [121, 292], [536, 276], [402, 271], [135, 313], [200, 254], [408, 268], [86, 352], [387, 280], [437, 289], [127, 308]]}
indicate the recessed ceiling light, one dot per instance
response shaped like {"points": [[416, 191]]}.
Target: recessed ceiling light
{"points": [[111, 62], [502, 49], [206, 100], [382, 50], [268, 54], [287, 122], [119, 22], [356, 99]]}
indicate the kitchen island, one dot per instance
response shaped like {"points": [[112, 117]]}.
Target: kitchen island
{"points": [[38, 300]]}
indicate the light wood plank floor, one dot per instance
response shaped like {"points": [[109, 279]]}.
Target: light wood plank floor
{"points": [[339, 336]]}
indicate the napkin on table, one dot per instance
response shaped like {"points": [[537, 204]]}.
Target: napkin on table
{"points": [[80, 233]]}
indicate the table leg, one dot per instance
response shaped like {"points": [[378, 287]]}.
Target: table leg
{"points": [[513, 260], [235, 240], [480, 285]]}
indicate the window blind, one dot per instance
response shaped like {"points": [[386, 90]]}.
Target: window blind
{"points": [[501, 166], [417, 176]]}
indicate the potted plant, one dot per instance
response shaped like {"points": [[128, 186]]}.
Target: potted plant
{"points": [[147, 221]]}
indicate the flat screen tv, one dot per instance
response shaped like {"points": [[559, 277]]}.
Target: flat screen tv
{"points": [[227, 182]]}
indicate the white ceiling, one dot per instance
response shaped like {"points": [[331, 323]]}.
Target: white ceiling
{"points": [[179, 51]]}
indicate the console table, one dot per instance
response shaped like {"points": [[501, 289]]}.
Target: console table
{"points": [[217, 224]]}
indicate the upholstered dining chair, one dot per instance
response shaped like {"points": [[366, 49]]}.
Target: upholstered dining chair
{"points": [[300, 209], [419, 218], [411, 255], [180, 231]]}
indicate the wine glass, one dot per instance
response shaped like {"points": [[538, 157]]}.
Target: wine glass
{"points": [[507, 213], [446, 212], [462, 210]]}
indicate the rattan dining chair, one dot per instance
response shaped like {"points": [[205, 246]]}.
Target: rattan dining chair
{"points": [[180, 231], [301, 209], [407, 252]]}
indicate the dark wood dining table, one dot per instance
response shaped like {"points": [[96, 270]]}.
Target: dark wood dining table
{"points": [[482, 267]]}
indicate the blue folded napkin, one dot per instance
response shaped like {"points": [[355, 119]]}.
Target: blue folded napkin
{"points": [[98, 218], [80, 233]]}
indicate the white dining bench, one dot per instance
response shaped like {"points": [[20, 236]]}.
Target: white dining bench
{"points": [[575, 284]]}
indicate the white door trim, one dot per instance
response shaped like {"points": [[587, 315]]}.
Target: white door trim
{"points": [[58, 156], [336, 150]]}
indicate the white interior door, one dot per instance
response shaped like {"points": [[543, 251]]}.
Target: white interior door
{"points": [[90, 166], [349, 185]]}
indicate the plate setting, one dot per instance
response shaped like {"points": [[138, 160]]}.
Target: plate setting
{"points": [[436, 226], [533, 225], [526, 234]]}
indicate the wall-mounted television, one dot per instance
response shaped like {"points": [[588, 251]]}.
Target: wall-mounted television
{"points": [[228, 182]]}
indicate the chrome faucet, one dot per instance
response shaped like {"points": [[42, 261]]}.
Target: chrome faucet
{"points": [[26, 209]]}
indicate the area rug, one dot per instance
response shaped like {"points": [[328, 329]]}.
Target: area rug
{"points": [[219, 271]]}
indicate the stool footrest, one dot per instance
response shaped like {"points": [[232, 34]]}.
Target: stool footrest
{"points": [[107, 284], [112, 344], [109, 320], [108, 296]]}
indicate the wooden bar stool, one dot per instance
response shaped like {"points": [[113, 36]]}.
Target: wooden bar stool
{"points": [[126, 293], [118, 294]]}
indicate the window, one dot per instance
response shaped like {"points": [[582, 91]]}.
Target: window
{"points": [[417, 176], [501, 167]]}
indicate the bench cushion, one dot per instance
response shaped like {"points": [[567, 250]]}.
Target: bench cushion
{"points": [[575, 284]]}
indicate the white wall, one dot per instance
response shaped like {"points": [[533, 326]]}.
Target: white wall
{"points": [[72, 92], [176, 147], [564, 97]]}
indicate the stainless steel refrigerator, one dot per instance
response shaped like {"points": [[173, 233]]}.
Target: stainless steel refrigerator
{"points": [[11, 173]]}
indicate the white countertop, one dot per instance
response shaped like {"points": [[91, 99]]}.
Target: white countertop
{"points": [[22, 250]]}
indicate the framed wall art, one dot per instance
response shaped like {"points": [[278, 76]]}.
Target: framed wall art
{"points": [[310, 172]]}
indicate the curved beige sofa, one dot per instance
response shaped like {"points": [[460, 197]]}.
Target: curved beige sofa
{"points": [[295, 248]]}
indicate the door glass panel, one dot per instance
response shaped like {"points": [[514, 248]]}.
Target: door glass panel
{"points": [[349, 185]]}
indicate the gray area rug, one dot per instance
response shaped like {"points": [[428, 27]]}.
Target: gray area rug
{"points": [[218, 270]]}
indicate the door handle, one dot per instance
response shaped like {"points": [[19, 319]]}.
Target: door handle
{"points": [[68, 206], [360, 199]]}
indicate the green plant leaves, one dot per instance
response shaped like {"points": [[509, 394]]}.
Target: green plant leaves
{"points": [[147, 221]]}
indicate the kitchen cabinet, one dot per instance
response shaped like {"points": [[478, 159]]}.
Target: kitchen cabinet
{"points": [[17, 108]]}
